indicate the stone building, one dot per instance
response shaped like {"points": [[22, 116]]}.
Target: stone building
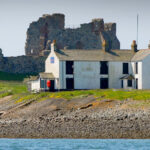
{"points": [[95, 69], [87, 36]]}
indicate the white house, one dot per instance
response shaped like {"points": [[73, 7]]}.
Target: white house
{"points": [[95, 69]]}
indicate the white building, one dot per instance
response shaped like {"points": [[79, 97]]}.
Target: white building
{"points": [[95, 69]]}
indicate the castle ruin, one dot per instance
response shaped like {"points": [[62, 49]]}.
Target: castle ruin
{"points": [[87, 36]]}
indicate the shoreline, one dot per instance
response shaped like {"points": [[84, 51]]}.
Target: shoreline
{"points": [[84, 118]]}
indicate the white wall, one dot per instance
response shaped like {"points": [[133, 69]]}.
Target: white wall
{"points": [[139, 74], [35, 85], [146, 73], [87, 74], [52, 67], [116, 72]]}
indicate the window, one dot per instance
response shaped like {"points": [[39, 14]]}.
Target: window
{"points": [[103, 67], [136, 67], [69, 67], [43, 84], [136, 84], [125, 68], [129, 83], [122, 84], [52, 60]]}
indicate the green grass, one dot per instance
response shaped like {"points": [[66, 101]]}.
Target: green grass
{"points": [[97, 94], [106, 94], [20, 93], [12, 88]]}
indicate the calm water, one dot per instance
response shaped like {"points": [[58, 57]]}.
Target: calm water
{"points": [[71, 144]]}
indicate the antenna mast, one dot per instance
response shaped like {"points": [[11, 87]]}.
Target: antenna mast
{"points": [[137, 28]]}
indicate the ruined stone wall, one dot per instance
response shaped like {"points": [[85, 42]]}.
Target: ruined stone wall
{"points": [[22, 64], [39, 32], [88, 36]]}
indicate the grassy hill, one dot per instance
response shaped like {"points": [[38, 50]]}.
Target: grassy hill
{"points": [[19, 92]]}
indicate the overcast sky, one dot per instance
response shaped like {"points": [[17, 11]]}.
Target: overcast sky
{"points": [[16, 15]]}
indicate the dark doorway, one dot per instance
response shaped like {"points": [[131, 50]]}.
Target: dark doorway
{"points": [[129, 83], [136, 84], [44, 85], [69, 83], [52, 85], [104, 83]]}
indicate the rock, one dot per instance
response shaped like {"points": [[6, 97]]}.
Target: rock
{"points": [[2, 113], [87, 36], [1, 54], [87, 106]]}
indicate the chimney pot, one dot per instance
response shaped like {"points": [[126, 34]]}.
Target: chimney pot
{"points": [[53, 46], [105, 46], [54, 41], [134, 46]]}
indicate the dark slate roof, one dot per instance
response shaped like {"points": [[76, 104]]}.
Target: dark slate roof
{"points": [[44, 75], [95, 55], [100, 55]]}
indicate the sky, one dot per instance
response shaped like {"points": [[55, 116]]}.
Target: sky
{"points": [[16, 15]]}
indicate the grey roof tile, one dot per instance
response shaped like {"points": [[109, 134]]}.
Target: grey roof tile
{"points": [[140, 55], [100, 55], [44, 75]]}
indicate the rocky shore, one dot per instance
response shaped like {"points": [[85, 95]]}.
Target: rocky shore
{"points": [[77, 118]]}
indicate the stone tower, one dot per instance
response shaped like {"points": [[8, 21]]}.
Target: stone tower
{"points": [[87, 36]]}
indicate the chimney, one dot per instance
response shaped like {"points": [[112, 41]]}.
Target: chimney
{"points": [[134, 46], [53, 46], [105, 46], [149, 45]]}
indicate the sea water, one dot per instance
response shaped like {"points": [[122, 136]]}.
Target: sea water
{"points": [[74, 144]]}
